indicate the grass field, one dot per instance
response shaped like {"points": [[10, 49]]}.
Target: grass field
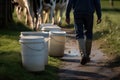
{"points": [[110, 28], [10, 59], [108, 32]]}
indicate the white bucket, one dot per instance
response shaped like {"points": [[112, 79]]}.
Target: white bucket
{"points": [[45, 35], [33, 49], [46, 24], [57, 43], [48, 28]]}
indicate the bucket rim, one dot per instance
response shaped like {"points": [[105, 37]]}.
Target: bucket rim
{"points": [[31, 32], [57, 33], [31, 39]]}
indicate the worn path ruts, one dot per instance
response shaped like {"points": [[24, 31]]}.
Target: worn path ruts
{"points": [[71, 69]]}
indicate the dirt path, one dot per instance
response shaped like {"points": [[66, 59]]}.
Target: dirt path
{"points": [[71, 69]]}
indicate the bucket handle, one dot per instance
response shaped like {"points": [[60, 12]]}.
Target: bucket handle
{"points": [[47, 39], [57, 40], [37, 49]]}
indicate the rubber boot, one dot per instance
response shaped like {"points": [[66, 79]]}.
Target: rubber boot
{"points": [[82, 48], [88, 49]]}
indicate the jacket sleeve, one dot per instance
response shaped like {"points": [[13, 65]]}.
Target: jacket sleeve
{"points": [[69, 8], [98, 8]]}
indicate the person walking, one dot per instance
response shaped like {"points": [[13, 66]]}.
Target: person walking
{"points": [[83, 11]]}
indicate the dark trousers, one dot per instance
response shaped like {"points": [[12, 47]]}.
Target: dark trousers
{"points": [[84, 26]]}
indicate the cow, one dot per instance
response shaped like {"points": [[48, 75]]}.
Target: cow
{"points": [[33, 10], [20, 6], [48, 11], [59, 10]]}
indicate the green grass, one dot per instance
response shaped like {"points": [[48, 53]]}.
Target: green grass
{"points": [[109, 29], [108, 32], [10, 59], [10, 56]]}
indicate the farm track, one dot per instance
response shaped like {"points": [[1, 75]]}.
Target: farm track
{"points": [[71, 69]]}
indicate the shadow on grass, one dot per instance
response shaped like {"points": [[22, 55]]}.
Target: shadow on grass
{"points": [[12, 31], [16, 26], [20, 73], [68, 26], [71, 60], [9, 57], [11, 68], [99, 34], [114, 63], [110, 10], [50, 73], [70, 75], [116, 77]]}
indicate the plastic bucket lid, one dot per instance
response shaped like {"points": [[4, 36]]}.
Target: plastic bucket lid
{"points": [[31, 39], [51, 26], [47, 24], [34, 33], [51, 29], [45, 34], [58, 33]]}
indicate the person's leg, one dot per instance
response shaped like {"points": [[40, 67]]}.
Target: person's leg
{"points": [[88, 47], [80, 38], [89, 33], [79, 28], [81, 42]]}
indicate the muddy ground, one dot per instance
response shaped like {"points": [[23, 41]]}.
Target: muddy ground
{"points": [[96, 69]]}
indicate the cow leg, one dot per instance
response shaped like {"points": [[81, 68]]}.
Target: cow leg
{"points": [[56, 16], [42, 17], [45, 17], [35, 22], [28, 19], [24, 13], [39, 22], [18, 12], [52, 13], [60, 17], [40, 8], [51, 17]]}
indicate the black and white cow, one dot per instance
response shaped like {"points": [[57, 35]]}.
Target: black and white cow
{"points": [[33, 10], [59, 10]]}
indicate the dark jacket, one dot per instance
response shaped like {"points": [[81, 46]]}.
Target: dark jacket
{"points": [[84, 7]]}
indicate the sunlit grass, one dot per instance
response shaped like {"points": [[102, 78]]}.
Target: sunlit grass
{"points": [[109, 31], [11, 64]]}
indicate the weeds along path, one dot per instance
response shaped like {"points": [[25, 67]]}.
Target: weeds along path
{"points": [[71, 69]]}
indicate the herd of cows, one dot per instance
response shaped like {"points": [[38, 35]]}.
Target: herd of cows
{"points": [[40, 11]]}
